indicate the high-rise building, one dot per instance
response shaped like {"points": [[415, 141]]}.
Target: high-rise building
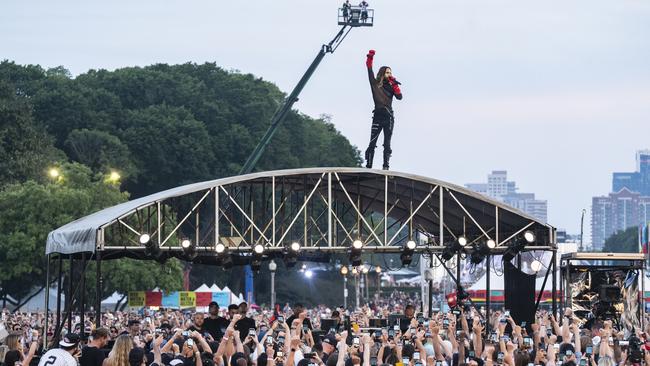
{"points": [[499, 188], [638, 181], [628, 205]]}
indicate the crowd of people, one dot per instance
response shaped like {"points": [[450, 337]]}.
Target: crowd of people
{"points": [[295, 336]]}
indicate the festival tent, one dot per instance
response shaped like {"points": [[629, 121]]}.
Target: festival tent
{"points": [[214, 288], [36, 301], [203, 288], [110, 302]]}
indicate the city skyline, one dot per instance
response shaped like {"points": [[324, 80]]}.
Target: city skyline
{"points": [[485, 84]]}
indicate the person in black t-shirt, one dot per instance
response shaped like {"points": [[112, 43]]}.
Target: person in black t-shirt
{"points": [[214, 324], [197, 323], [93, 354], [297, 309], [245, 323]]}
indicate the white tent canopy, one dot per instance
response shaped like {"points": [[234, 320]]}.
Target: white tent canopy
{"points": [[203, 288]]}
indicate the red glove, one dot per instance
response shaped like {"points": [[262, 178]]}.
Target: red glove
{"points": [[395, 85], [369, 57]]}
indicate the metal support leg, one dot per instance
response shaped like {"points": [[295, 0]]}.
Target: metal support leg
{"points": [[98, 290], [82, 309], [430, 289], [59, 290], [553, 288], [69, 299], [488, 294], [47, 300]]}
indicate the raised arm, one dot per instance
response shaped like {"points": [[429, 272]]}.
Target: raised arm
{"points": [[369, 58]]}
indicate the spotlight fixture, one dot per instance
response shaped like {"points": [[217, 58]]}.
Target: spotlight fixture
{"points": [[354, 270], [54, 173], [258, 248], [536, 265], [410, 245], [291, 254], [344, 270], [220, 248], [529, 236], [309, 273], [448, 253], [476, 257], [295, 246], [491, 244], [355, 253], [407, 253], [256, 263], [151, 249], [378, 269], [186, 243], [512, 251], [364, 269], [462, 241], [189, 248], [144, 238]]}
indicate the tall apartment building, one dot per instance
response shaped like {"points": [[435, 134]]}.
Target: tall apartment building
{"points": [[498, 187], [628, 205]]}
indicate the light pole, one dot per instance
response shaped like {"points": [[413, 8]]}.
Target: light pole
{"points": [[272, 267], [344, 272]]}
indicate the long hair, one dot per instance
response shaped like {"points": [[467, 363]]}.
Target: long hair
{"points": [[119, 355], [380, 75], [13, 341]]}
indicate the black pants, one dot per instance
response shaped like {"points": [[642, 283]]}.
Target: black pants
{"points": [[382, 120]]}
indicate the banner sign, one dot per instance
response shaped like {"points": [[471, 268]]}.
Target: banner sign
{"points": [[153, 298], [187, 299], [222, 298], [171, 300], [203, 298], [136, 299]]}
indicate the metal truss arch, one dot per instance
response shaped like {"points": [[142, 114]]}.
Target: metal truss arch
{"points": [[323, 209]]}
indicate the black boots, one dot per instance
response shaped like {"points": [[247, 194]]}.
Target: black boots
{"points": [[370, 154]]}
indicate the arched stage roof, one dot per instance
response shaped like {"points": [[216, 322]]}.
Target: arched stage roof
{"points": [[324, 209]]}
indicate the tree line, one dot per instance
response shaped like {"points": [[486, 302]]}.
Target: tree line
{"points": [[158, 127]]}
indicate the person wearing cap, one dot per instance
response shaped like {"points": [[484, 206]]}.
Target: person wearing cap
{"points": [[65, 355], [329, 347], [215, 324]]}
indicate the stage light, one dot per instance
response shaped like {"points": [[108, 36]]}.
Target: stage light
{"points": [[186, 243], [491, 244], [462, 241], [477, 257], [304, 267], [355, 253], [54, 173], [344, 270], [295, 246], [290, 261], [529, 236], [220, 248], [536, 265], [378, 269], [258, 248], [144, 238], [447, 253], [256, 263], [309, 273], [364, 269], [151, 249], [510, 253], [354, 270], [410, 245]]}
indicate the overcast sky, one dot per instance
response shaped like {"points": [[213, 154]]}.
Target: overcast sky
{"points": [[555, 92]]}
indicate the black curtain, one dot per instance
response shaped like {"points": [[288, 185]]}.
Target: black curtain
{"points": [[519, 294]]}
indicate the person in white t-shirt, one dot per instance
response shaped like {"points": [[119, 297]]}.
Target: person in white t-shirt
{"points": [[66, 355]]}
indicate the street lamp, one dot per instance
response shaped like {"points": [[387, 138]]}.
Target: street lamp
{"points": [[272, 267], [54, 173]]}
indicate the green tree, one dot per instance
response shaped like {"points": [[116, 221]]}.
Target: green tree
{"points": [[25, 148], [624, 241]]}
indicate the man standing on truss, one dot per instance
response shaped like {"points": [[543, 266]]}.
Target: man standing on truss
{"points": [[383, 86]]}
